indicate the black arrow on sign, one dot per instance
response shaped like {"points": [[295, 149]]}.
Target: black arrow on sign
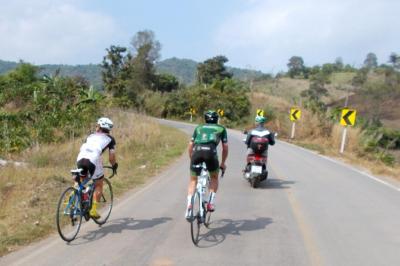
{"points": [[346, 117], [259, 113], [294, 114]]}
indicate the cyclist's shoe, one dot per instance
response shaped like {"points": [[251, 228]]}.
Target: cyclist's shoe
{"points": [[93, 211], [210, 207], [94, 214], [189, 213]]}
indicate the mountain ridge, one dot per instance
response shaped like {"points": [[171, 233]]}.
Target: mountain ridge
{"points": [[182, 68]]}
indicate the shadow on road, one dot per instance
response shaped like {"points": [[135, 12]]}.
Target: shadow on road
{"points": [[220, 229], [273, 183], [118, 225]]}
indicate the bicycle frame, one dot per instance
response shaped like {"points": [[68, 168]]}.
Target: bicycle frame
{"points": [[202, 215], [75, 206], [203, 181], [81, 184]]}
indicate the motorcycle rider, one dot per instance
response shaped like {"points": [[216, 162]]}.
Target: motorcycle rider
{"points": [[260, 132]]}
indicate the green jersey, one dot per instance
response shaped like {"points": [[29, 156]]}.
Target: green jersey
{"points": [[209, 133]]}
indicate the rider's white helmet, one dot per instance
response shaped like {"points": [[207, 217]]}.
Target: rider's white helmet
{"points": [[105, 123]]}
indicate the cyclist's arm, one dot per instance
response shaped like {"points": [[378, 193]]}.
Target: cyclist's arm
{"points": [[248, 139], [224, 154], [190, 149], [111, 151], [271, 138], [112, 157]]}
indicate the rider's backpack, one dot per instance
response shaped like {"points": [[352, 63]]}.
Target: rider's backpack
{"points": [[258, 144]]}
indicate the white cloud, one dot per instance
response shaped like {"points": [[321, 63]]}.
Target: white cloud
{"points": [[46, 31], [267, 33]]}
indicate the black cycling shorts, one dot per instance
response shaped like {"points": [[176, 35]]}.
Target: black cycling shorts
{"points": [[86, 165], [204, 153]]}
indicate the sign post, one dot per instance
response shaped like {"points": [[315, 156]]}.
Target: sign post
{"points": [[343, 139], [293, 130], [295, 114], [348, 118], [192, 112]]}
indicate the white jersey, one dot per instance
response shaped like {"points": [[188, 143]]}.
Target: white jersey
{"points": [[95, 145]]}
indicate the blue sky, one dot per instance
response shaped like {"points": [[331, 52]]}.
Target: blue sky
{"points": [[255, 34]]}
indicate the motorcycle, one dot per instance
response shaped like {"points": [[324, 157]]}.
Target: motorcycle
{"points": [[256, 167]]}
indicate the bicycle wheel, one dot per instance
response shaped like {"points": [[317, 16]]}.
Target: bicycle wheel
{"points": [[69, 215], [196, 221], [105, 203]]}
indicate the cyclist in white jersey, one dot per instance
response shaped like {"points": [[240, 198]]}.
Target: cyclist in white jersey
{"points": [[90, 160]]}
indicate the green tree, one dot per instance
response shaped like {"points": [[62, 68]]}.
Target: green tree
{"points": [[360, 78], [338, 64], [166, 83], [371, 61], [115, 70], [212, 69], [49, 109], [314, 94], [146, 50], [394, 59], [296, 66]]}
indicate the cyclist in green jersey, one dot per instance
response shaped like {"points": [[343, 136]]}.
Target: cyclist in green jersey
{"points": [[203, 148]]}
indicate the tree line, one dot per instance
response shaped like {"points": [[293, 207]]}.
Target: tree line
{"points": [[37, 108], [130, 76]]}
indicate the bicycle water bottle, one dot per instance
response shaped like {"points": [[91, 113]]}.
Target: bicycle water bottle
{"points": [[85, 194], [203, 182]]}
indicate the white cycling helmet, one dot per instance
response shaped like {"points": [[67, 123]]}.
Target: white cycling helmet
{"points": [[105, 123]]}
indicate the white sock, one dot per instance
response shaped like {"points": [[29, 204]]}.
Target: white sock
{"points": [[189, 200], [212, 197]]}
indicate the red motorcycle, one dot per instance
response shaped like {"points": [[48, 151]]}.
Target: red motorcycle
{"points": [[256, 168]]}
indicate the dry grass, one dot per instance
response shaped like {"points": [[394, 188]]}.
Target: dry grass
{"points": [[311, 134], [286, 88], [28, 195], [342, 78]]}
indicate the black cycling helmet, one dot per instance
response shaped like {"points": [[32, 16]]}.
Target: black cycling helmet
{"points": [[211, 117]]}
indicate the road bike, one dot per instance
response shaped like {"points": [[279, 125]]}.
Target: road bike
{"points": [[199, 213], [76, 201]]}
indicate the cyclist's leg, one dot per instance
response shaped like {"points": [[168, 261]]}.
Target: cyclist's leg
{"points": [[97, 177], [213, 168], [86, 166], [194, 172]]}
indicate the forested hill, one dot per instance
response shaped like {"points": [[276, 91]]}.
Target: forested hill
{"points": [[183, 69], [6, 66], [91, 72]]}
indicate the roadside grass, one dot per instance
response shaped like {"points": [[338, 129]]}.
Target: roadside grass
{"points": [[29, 194], [353, 153], [342, 78], [312, 134], [285, 88]]}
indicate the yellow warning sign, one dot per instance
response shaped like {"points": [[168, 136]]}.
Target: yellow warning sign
{"points": [[260, 112], [295, 114], [220, 112], [348, 117]]}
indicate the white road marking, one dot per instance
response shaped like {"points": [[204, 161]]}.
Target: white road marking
{"points": [[349, 167]]}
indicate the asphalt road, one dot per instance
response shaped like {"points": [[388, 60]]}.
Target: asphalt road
{"points": [[311, 211]]}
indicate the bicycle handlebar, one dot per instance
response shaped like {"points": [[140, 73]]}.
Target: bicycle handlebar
{"points": [[222, 172], [114, 172]]}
